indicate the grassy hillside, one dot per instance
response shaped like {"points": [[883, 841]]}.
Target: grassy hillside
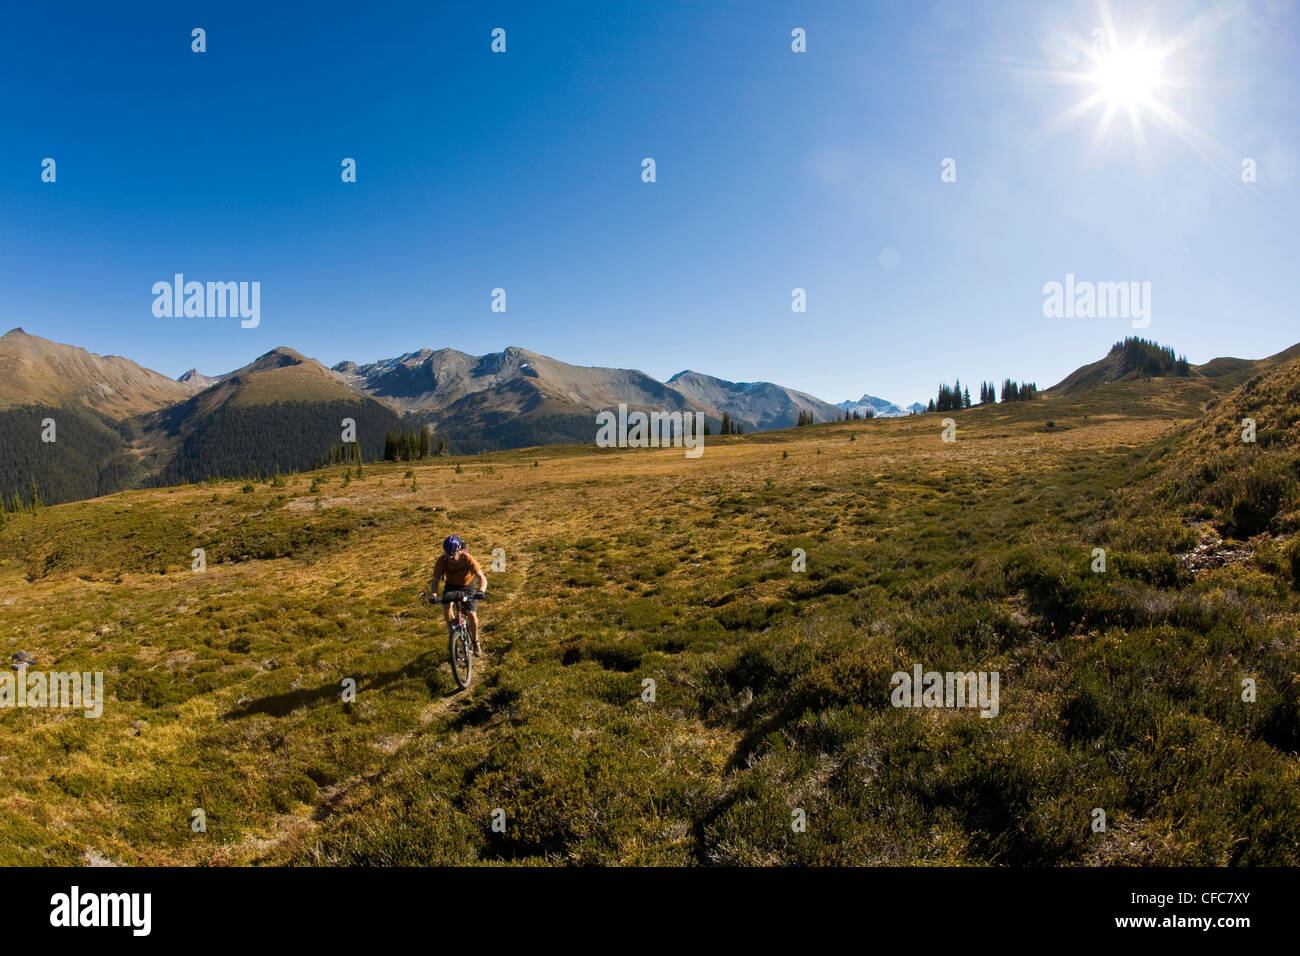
{"points": [[1248, 487], [1119, 690], [1129, 359]]}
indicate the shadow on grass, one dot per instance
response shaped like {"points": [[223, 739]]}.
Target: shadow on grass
{"points": [[425, 667]]}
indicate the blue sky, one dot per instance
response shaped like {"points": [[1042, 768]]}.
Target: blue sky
{"points": [[522, 170]]}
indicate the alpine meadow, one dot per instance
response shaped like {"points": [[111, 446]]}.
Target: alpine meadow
{"points": [[463, 465], [1120, 689]]}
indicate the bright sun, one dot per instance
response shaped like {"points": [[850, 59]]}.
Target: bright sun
{"points": [[1127, 78], [1137, 75]]}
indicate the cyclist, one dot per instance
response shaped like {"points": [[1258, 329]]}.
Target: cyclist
{"points": [[463, 574]]}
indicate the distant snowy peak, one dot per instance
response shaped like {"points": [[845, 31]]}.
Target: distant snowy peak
{"points": [[878, 407]]}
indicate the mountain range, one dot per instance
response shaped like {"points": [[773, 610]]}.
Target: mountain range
{"points": [[121, 425]]}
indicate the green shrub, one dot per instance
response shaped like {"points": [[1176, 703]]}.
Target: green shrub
{"points": [[1293, 560], [1258, 495]]}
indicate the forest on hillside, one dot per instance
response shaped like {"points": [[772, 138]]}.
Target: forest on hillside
{"points": [[257, 441], [80, 455]]}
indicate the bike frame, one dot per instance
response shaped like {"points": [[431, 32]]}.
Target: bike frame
{"points": [[459, 623]]}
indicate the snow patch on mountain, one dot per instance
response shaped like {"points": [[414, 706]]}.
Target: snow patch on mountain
{"points": [[878, 407]]}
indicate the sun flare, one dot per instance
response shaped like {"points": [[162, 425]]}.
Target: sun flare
{"points": [[1129, 77]]}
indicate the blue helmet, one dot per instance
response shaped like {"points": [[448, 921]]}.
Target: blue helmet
{"points": [[452, 545]]}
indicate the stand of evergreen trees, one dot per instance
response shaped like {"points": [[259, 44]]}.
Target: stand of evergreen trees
{"points": [[1018, 392], [342, 453], [953, 398], [16, 504], [806, 418], [1147, 358], [408, 445], [730, 426]]}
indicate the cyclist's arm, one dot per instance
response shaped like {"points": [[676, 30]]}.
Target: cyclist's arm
{"points": [[438, 572], [479, 577]]}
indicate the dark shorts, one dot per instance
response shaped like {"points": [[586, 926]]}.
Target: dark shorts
{"points": [[464, 595]]}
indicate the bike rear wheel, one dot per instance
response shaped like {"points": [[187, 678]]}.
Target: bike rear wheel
{"points": [[462, 660]]}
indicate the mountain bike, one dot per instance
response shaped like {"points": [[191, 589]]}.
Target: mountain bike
{"points": [[461, 647]]}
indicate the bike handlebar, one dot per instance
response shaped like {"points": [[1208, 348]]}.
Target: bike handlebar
{"points": [[460, 595]]}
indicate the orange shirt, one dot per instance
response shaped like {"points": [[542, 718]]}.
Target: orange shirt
{"points": [[460, 570]]}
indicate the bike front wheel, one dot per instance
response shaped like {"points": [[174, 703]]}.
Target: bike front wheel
{"points": [[462, 660]]}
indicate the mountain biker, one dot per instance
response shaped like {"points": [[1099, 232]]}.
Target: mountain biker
{"points": [[463, 574]]}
